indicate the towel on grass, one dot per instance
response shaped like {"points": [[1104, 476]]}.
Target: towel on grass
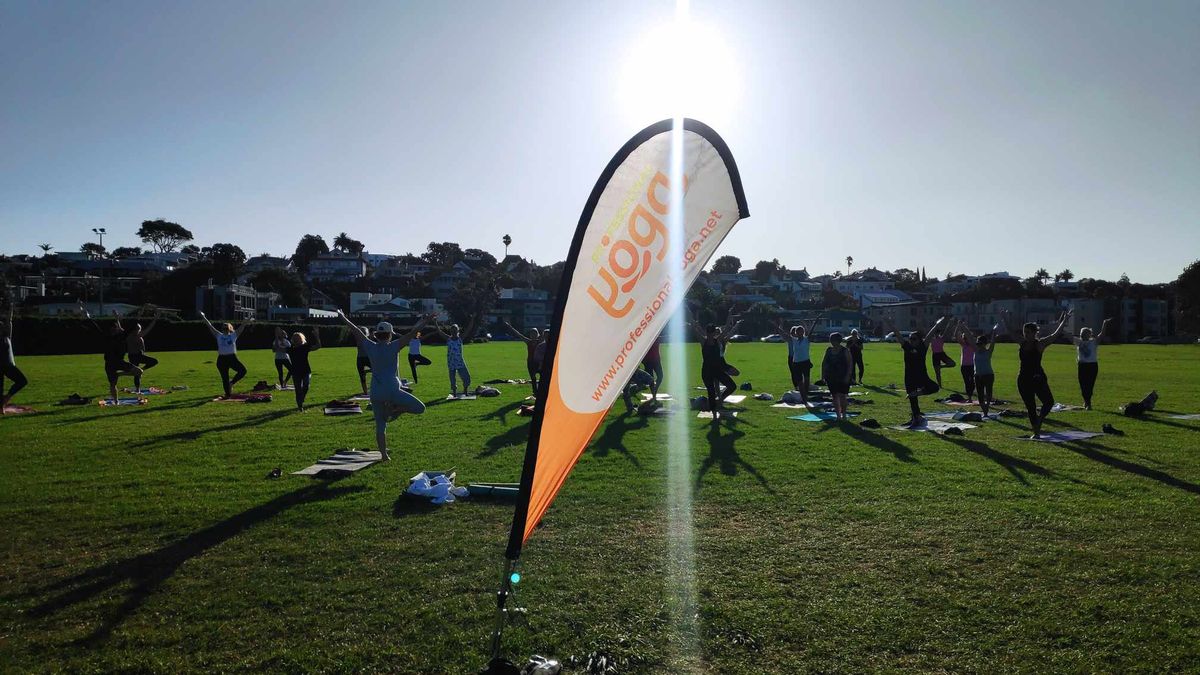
{"points": [[1061, 436], [935, 426], [345, 461], [108, 402], [819, 416]]}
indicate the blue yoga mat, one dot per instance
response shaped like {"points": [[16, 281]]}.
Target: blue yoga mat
{"points": [[820, 416]]}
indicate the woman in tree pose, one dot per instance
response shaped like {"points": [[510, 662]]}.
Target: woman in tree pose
{"points": [[966, 362], [136, 345], [937, 344], [227, 359], [8, 363], [1087, 348], [533, 364], [837, 369], [115, 348], [298, 352], [917, 382], [652, 362], [800, 355], [1031, 379], [388, 400], [454, 358], [414, 355], [713, 369], [985, 377], [280, 346], [855, 344]]}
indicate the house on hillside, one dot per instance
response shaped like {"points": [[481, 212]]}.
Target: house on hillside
{"points": [[524, 308], [234, 302], [864, 281], [337, 267], [262, 262], [889, 297]]}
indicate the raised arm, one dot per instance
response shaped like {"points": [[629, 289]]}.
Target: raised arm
{"points": [[1099, 334], [1049, 339], [211, 328], [936, 326], [153, 322], [729, 331], [964, 332], [412, 333], [247, 322], [437, 330], [315, 343], [359, 338], [991, 344], [518, 333], [1006, 319]]}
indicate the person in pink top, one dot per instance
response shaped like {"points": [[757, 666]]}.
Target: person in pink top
{"points": [[966, 339], [937, 345]]}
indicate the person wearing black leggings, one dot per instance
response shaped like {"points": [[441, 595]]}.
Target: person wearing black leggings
{"points": [[227, 359], [713, 369], [301, 370], [917, 382], [115, 348], [1087, 348], [283, 362], [136, 345], [855, 344], [1031, 379], [8, 364], [985, 377]]}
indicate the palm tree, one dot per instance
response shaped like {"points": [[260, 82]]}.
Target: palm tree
{"points": [[1041, 275], [849, 262], [507, 240], [1066, 275], [46, 248], [342, 242]]}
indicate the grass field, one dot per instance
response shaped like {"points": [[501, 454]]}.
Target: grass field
{"points": [[149, 538]]}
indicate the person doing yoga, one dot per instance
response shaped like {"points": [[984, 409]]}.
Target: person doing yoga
{"points": [[388, 400], [985, 377], [533, 364], [8, 363], [136, 346], [1087, 356], [652, 362], [415, 358], [298, 350], [713, 369], [1031, 379], [227, 359], [800, 355], [115, 348], [362, 362], [455, 363], [855, 344], [966, 362], [917, 382], [837, 369], [937, 344], [280, 346]]}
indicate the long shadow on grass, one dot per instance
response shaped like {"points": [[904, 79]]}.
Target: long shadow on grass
{"points": [[1168, 422], [125, 411], [517, 435], [1014, 465], [613, 437], [896, 449], [882, 390], [146, 572], [722, 437], [502, 412], [253, 420], [1099, 453]]}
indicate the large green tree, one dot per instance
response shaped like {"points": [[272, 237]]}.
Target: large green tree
{"points": [[1187, 298], [727, 264], [347, 244], [471, 299], [163, 235], [286, 283], [227, 262], [445, 254], [310, 246]]}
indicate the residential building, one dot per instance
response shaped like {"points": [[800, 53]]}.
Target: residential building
{"points": [[889, 297], [524, 308], [72, 309], [263, 262], [337, 267], [1143, 317], [298, 314], [392, 309], [234, 302], [865, 281], [904, 316], [358, 300]]}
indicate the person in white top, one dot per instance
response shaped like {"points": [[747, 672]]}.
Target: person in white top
{"points": [[280, 346], [1087, 347], [799, 355], [227, 353]]}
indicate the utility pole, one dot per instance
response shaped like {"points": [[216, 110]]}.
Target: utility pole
{"points": [[100, 232]]}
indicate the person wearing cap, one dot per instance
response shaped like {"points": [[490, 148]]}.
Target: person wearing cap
{"points": [[837, 369], [388, 400], [454, 358]]}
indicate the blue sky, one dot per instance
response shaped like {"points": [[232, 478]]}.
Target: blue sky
{"points": [[958, 136]]}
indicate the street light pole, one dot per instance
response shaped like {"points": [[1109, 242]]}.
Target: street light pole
{"points": [[100, 232]]}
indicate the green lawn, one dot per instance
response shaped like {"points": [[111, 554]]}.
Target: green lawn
{"points": [[148, 538]]}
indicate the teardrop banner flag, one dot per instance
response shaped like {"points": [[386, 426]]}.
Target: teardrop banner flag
{"points": [[617, 294]]}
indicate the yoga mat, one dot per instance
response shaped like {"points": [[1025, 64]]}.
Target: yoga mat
{"points": [[17, 410], [952, 415], [256, 397], [936, 426], [108, 402], [341, 463], [819, 416], [1061, 436], [460, 397], [360, 397], [149, 391], [356, 410], [707, 415], [1191, 416], [646, 396], [735, 398]]}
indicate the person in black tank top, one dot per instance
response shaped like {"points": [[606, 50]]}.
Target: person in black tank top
{"points": [[917, 382], [116, 346], [298, 352], [713, 370], [1031, 379]]}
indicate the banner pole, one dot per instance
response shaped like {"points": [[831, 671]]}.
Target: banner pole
{"points": [[501, 599]]}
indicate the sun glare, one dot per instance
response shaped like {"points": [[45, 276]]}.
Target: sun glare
{"points": [[680, 68]]}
